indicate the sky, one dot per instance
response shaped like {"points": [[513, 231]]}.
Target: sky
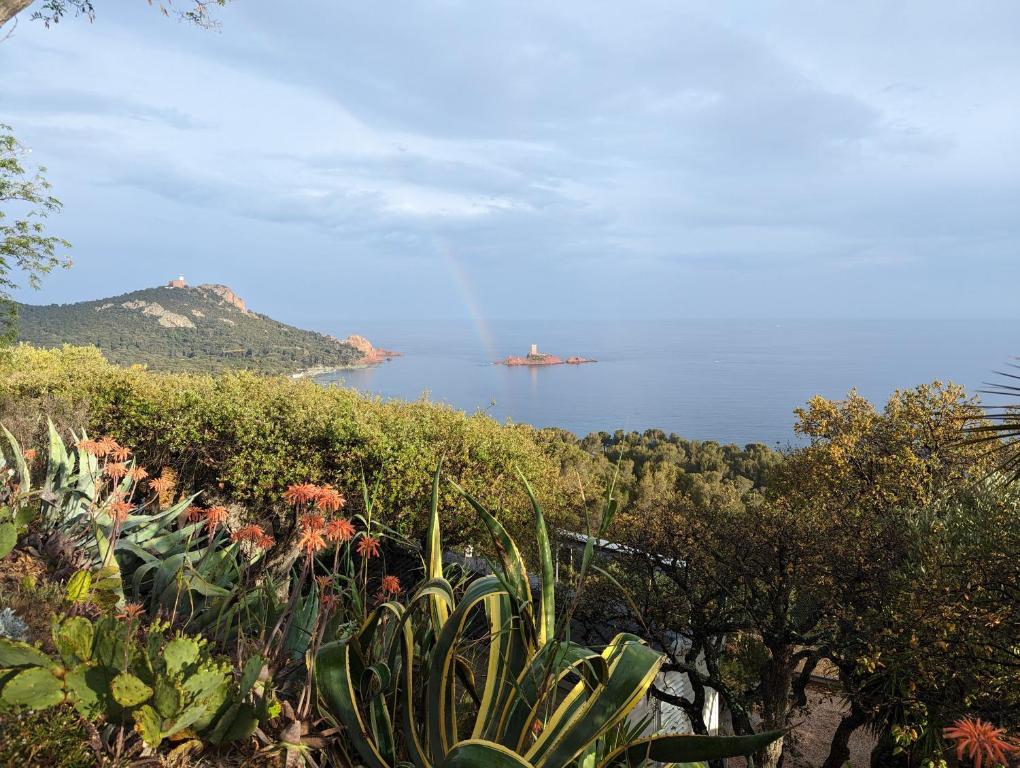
{"points": [[561, 159]]}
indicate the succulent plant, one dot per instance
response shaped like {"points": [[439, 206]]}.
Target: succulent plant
{"points": [[169, 686], [11, 626], [404, 686]]}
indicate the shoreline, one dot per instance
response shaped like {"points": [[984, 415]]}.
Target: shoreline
{"points": [[323, 370]]}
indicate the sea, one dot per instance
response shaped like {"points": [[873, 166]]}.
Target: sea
{"points": [[733, 381]]}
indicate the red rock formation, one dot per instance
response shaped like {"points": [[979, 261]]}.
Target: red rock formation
{"points": [[541, 358], [369, 354]]}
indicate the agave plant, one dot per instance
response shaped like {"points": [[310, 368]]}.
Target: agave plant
{"points": [[488, 676]]}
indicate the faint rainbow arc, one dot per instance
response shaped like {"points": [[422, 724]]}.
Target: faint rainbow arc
{"points": [[469, 296]]}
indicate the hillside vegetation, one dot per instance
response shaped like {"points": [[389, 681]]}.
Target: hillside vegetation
{"points": [[246, 437], [205, 328]]}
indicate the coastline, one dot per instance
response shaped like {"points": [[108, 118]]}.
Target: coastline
{"points": [[376, 357]]}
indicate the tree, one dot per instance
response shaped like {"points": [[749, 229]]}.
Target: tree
{"points": [[198, 12], [877, 472], [801, 572], [25, 203], [946, 644]]}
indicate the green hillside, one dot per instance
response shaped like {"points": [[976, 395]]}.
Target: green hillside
{"points": [[181, 328]]}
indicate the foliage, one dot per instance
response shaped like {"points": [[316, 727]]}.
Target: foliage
{"points": [[167, 685], [197, 12], [404, 685], [12, 626], [247, 437], [801, 570], [948, 646], [25, 202], [189, 329]]}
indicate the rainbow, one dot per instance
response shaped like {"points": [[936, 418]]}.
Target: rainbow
{"points": [[469, 296]]}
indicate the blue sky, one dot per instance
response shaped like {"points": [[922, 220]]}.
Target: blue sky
{"points": [[567, 159]]}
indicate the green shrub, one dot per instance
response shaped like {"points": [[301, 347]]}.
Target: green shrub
{"points": [[249, 437]]}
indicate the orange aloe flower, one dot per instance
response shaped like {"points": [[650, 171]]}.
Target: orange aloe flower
{"points": [[368, 546], [251, 533], [193, 513], [30, 455], [91, 446], [138, 473], [311, 541], [119, 453], [312, 522], [390, 585], [300, 493], [339, 530], [214, 518], [982, 742], [324, 582], [106, 446], [116, 470], [265, 542], [131, 611], [160, 485], [329, 499], [120, 509]]}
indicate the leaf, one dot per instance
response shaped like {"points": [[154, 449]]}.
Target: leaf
{"points": [[148, 725], [129, 691], [35, 688], [8, 538], [24, 476], [88, 688], [73, 638], [336, 686], [17, 654], [238, 722], [166, 697], [78, 587], [179, 653], [475, 753], [547, 627], [250, 673]]}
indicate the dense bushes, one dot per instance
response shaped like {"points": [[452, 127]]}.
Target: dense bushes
{"points": [[248, 436]]}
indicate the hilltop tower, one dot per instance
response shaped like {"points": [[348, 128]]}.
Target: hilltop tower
{"points": [[534, 350], [178, 283]]}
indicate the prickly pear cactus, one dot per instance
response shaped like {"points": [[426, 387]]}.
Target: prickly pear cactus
{"points": [[168, 686]]}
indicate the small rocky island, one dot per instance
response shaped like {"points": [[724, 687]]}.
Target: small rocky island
{"points": [[534, 357]]}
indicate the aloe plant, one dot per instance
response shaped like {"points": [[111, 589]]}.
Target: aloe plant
{"points": [[146, 552], [422, 683]]}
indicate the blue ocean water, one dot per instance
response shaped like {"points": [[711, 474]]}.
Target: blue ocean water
{"points": [[728, 380]]}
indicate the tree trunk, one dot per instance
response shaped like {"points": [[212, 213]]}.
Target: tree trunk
{"points": [[839, 750], [776, 690], [10, 8]]}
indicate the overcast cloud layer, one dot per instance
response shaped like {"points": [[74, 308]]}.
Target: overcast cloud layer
{"points": [[574, 158]]}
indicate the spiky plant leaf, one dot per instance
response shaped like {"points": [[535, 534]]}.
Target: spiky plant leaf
{"points": [[73, 639], [8, 538], [17, 654], [129, 691], [35, 688]]}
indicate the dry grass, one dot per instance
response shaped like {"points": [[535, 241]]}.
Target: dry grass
{"points": [[27, 588]]}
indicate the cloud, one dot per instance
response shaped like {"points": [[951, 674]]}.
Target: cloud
{"points": [[668, 137]]}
